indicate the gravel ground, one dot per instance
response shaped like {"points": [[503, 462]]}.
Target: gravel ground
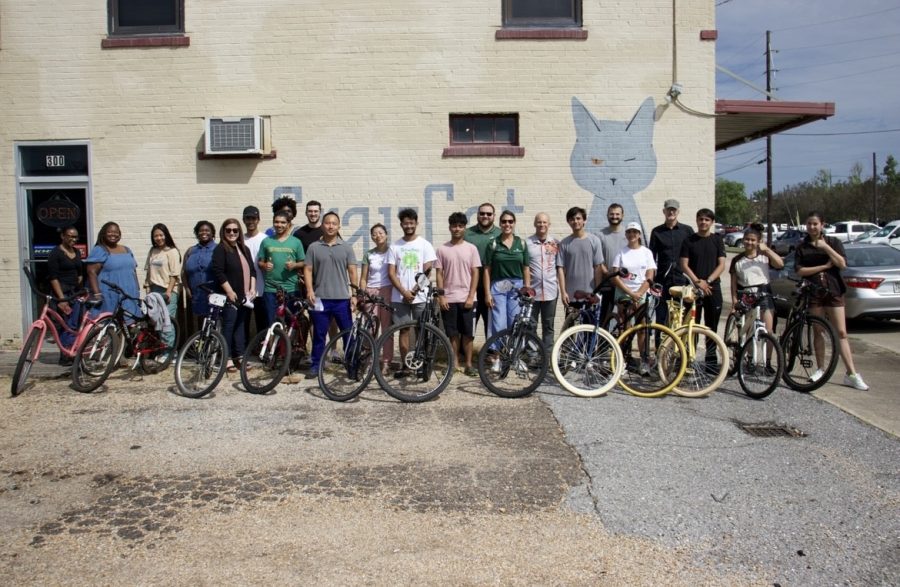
{"points": [[135, 485], [820, 509]]}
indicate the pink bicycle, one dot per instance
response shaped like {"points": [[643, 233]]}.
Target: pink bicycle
{"points": [[93, 353]]}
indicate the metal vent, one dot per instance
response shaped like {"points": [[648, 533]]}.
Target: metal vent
{"points": [[770, 430], [234, 135]]}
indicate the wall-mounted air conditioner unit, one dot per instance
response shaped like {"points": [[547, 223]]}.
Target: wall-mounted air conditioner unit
{"points": [[238, 135]]}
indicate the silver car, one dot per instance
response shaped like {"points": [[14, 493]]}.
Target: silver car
{"points": [[872, 277]]}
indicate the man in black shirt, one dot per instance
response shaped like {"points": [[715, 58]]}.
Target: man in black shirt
{"points": [[665, 243], [703, 261]]}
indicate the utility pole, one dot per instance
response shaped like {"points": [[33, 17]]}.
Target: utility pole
{"points": [[768, 141], [874, 190]]}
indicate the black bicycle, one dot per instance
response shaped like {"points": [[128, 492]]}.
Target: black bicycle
{"points": [[513, 362], [201, 361], [427, 367], [809, 343], [344, 375]]}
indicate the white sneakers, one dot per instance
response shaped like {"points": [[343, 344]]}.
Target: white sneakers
{"points": [[818, 374], [855, 381]]}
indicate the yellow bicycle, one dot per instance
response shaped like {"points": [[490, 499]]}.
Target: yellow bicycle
{"points": [[707, 354]]}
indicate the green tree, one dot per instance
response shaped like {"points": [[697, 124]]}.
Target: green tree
{"points": [[891, 176], [732, 205]]}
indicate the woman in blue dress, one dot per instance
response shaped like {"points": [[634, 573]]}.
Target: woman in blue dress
{"points": [[197, 267], [113, 262]]}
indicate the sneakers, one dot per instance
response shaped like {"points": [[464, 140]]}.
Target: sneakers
{"points": [[645, 368], [770, 371], [470, 372], [817, 375], [855, 381]]}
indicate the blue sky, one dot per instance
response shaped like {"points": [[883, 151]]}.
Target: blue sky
{"points": [[827, 51]]}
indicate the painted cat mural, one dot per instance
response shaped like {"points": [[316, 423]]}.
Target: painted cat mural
{"points": [[613, 160]]}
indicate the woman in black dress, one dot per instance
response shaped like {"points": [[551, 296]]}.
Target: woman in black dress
{"points": [[66, 275]]}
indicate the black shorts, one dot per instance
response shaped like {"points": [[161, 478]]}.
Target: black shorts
{"points": [[459, 321]]}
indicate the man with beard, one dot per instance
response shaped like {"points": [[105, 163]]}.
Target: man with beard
{"points": [[312, 230], [409, 256], [613, 239], [481, 236]]}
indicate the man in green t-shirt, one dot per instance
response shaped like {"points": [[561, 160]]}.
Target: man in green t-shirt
{"points": [[281, 258], [480, 235]]}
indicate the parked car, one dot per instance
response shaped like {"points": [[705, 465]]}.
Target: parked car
{"points": [[850, 229], [788, 241], [733, 239], [889, 235], [872, 277]]}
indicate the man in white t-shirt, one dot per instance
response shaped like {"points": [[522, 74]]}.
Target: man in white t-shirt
{"points": [[253, 238], [409, 256], [457, 266]]}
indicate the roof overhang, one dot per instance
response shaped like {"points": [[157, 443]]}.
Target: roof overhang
{"points": [[742, 121]]}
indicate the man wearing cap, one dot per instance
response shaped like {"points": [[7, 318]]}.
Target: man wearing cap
{"points": [[253, 238], [613, 239], [665, 243]]}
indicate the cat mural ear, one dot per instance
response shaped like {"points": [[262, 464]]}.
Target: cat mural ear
{"points": [[584, 120], [643, 119]]}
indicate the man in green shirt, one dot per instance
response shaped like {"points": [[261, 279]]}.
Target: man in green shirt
{"points": [[281, 258], [480, 235]]}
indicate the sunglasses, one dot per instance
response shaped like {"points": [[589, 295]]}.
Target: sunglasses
{"points": [[507, 221], [485, 213], [232, 231]]}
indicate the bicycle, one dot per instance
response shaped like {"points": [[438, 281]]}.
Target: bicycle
{"points": [[92, 368], [136, 335], [756, 356], [200, 364], [809, 343], [513, 362], [346, 376], [707, 356], [279, 349], [428, 365], [586, 359]]}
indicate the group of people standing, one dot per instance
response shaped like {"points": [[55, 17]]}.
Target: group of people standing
{"points": [[480, 270]]}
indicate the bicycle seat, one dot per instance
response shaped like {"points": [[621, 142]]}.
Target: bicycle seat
{"points": [[92, 303], [527, 292], [684, 292], [586, 296]]}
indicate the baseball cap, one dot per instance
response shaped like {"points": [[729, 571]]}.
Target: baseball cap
{"points": [[634, 226], [671, 203], [251, 211]]}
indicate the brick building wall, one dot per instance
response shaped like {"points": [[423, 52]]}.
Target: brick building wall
{"points": [[359, 95]]}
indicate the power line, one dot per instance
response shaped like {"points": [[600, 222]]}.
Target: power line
{"points": [[839, 62], [836, 134], [751, 163], [804, 26], [841, 43], [742, 153], [828, 79]]}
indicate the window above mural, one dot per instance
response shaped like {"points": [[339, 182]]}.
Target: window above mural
{"points": [[541, 13], [484, 135], [139, 17]]}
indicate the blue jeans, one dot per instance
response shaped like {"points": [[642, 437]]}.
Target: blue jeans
{"points": [[72, 321], [233, 329], [339, 310], [506, 304]]}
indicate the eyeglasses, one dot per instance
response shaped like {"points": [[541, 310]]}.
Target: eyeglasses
{"points": [[507, 221], [232, 231], [485, 213]]}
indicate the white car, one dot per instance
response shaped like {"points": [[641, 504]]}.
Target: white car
{"points": [[849, 230], [889, 235]]}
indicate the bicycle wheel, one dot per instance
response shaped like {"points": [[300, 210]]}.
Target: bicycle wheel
{"points": [[423, 375], [154, 355], [26, 359], [512, 366], [266, 361], [732, 340], [649, 371], [586, 361], [200, 365], [94, 359], [760, 364], [707, 364], [345, 379], [810, 353]]}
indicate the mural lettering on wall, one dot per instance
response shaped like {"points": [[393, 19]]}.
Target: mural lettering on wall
{"points": [[614, 160], [359, 219]]}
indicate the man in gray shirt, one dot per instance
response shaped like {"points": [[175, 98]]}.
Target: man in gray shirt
{"points": [[330, 268], [580, 260], [613, 239]]}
